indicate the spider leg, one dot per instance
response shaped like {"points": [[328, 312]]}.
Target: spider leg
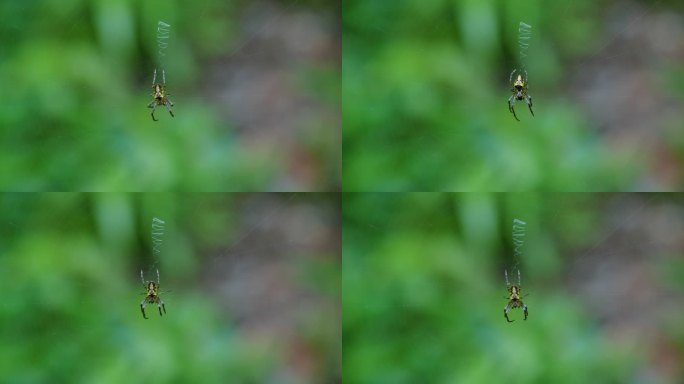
{"points": [[141, 277], [510, 106], [160, 304], [510, 78], [524, 310], [154, 77], [529, 103], [505, 271], [506, 309], [169, 104], [142, 307], [153, 106]]}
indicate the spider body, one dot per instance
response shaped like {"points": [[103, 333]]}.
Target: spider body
{"points": [[520, 92], [151, 295], [159, 94], [514, 298]]}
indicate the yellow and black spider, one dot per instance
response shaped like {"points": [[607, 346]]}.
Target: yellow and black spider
{"points": [[151, 295], [514, 298], [519, 92], [160, 95]]}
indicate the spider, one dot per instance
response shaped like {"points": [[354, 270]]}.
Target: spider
{"points": [[519, 92], [152, 295], [514, 298], [160, 95]]}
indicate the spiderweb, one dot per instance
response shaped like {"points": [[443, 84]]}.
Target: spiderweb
{"points": [[163, 35], [518, 233], [524, 36], [157, 233]]}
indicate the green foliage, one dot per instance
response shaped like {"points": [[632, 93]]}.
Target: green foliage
{"points": [[76, 79], [69, 276], [424, 291], [425, 89]]}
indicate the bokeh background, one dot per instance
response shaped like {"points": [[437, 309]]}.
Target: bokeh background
{"points": [[424, 288], [254, 283], [256, 87], [426, 86]]}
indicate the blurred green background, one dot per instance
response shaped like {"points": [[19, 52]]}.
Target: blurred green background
{"points": [[426, 86], [424, 288], [254, 283], [256, 88]]}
